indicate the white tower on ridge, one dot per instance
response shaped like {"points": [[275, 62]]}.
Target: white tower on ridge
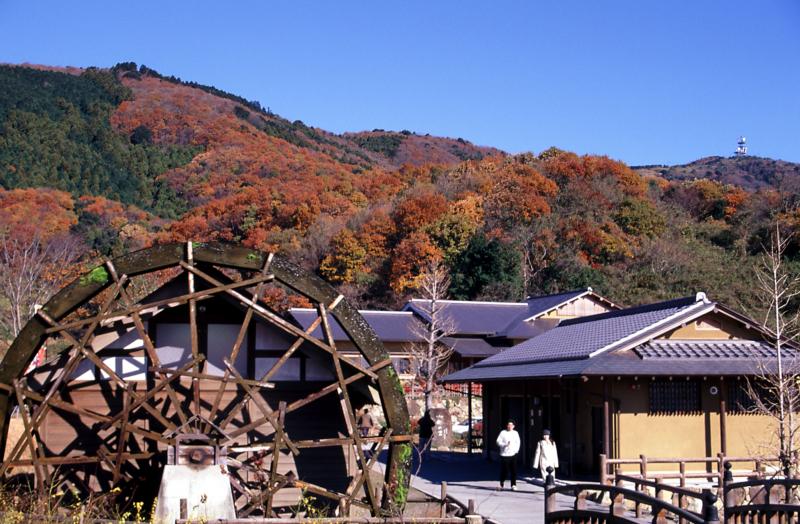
{"points": [[741, 146]]}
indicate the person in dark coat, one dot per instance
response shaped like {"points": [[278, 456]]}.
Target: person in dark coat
{"points": [[426, 425]]}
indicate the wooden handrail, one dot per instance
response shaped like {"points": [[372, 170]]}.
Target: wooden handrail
{"points": [[657, 505], [714, 466], [657, 485]]}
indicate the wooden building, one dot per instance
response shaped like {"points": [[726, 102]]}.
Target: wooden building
{"points": [[665, 379], [504, 324], [481, 328]]}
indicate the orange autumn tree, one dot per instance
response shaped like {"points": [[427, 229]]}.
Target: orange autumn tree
{"points": [[517, 193], [418, 210], [409, 260], [347, 259], [46, 213]]}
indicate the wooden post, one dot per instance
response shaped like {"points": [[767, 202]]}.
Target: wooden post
{"points": [[573, 434], [723, 414], [710, 512], [469, 418], [720, 469], [184, 511], [193, 334], [525, 435], [549, 496], [603, 468], [727, 477], [606, 419], [643, 466], [471, 507], [549, 418], [443, 496], [617, 504]]}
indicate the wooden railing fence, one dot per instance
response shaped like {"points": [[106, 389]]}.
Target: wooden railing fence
{"points": [[343, 520], [762, 500], [624, 497], [681, 469], [598, 503], [679, 496]]}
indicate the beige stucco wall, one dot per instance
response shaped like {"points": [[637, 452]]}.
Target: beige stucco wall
{"points": [[684, 435], [712, 326], [581, 307]]}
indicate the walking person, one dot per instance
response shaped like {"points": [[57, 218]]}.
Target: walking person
{"points": [[426, 425], [508, 442], [365, 423], [546, 455]]}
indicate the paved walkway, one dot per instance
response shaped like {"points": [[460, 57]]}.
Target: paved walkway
{"points": [[473, 477]]}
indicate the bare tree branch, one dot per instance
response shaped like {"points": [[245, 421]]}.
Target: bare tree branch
{"points": [[774, 390], [429, 358], [29, 275]]}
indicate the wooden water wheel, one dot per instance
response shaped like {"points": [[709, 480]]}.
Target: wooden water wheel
{"points": [[177, 340]]}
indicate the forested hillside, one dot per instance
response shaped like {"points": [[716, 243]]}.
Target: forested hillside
{"points": [[749, 172], [105, 161]]}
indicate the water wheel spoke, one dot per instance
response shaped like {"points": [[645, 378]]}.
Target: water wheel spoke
{"points": [[347, 410], [240, 337], [150, 348]]}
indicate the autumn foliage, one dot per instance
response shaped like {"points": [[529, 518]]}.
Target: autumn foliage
{"points": [[346, 207]]}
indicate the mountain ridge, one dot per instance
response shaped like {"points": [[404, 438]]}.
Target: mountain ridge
{"points": [[749, 172]]}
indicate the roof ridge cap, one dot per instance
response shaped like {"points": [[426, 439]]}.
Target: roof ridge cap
{"points": [[453, 301], [623, 342], [704, 341]]}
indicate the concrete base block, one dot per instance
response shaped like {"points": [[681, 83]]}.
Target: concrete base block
{"points": [[206, 489]]}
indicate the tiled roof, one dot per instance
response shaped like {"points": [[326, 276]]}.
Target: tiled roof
{"points": [[522, 330], [473, 318], [522, 327], [706, 349], [505, 319], [471, 347], [581, 337], [390, 326], [623, 343], [625, 363], [540, 369]]}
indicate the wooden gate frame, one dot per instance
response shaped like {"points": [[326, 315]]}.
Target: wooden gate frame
{"points": [[86, 287]]}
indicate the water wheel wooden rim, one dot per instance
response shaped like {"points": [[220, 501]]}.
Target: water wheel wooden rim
{"points": [[257, 268]]}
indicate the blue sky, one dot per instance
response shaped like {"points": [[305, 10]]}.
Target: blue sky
{"points": [[644, 82]]}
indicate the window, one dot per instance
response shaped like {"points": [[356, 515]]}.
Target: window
{"points": [[402, 365], [173, 344], [739, 399], [674, 397], [289, 371], [270, 345], [221, 338]]}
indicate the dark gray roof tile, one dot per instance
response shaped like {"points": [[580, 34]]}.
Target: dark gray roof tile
{"points": [[473, 318], [706, 349], [390, 326], [471, 347], [580, 337]]}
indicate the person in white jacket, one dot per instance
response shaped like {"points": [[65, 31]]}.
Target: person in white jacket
{"points": [[508, 442], [546, 455]]}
